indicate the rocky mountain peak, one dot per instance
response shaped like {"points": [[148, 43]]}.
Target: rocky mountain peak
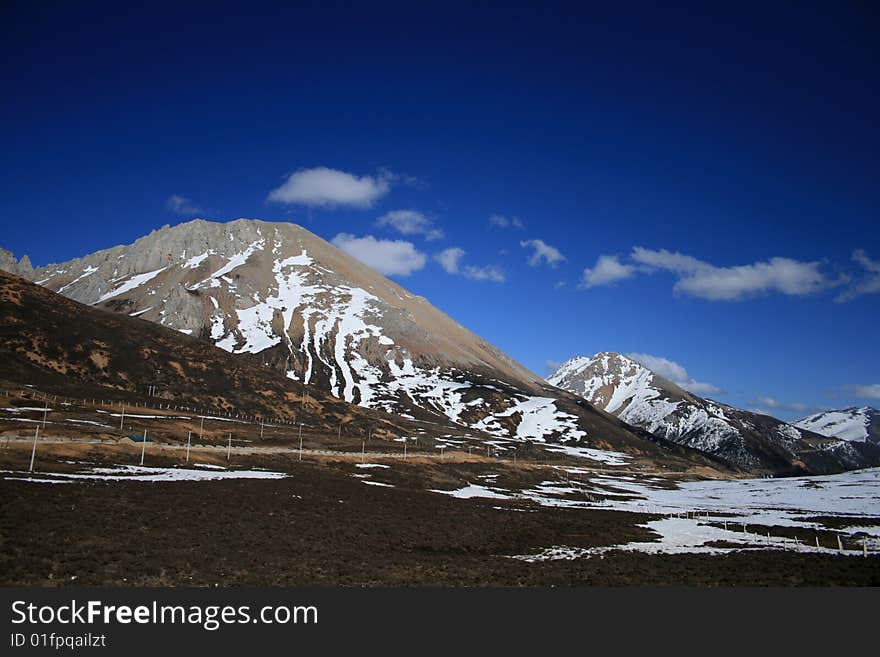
{"points": [[609, 379], [21, 267], [620, 385], [321, 317]]}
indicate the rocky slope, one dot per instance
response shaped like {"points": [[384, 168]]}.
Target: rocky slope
{"points": [[56, 344], [280, 294], [854, 424], [642, 398]]}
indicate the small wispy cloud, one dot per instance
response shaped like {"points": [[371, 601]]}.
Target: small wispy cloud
{"points": [[864, 391], [402, 179], [542, 252], [388, 257], [502, 221], [484, 273], [326, 187], [674, 372], [868, 283], [552, 365], [181, 205], [450, 260], [607, 270], [764, 403], [410, 222]]}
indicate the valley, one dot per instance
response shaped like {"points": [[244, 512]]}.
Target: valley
{"points": [[196, 423], [91, 515], [206, 493]]}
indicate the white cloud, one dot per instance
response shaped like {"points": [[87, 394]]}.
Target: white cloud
{"points": [[402, 179], [485, 273], [700, 388], [674, 372], [542, 251], [868, 391], [410, 222], [182, 205], [706, 281], [325, 187], [500, 221], [388, 257], [663, 259], [450, 260], [552, 365], [869, 283], [771, 403], [862, 258], [607, 270]]}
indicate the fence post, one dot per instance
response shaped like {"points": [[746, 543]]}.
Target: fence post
{"points": [[34, 450]]}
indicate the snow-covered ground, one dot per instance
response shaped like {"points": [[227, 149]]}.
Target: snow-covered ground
{"points": [[475, 490], [695, 513], [139, 473], [601, 455], [130, 284]]}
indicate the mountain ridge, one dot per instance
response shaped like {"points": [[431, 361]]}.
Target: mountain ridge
{"points": [[637, 395], [856, 423], [308, 310], [277, 293]]}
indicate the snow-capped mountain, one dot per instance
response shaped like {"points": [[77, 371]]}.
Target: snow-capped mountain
{"points": [[855, 424], [640, 397], [323, 318]]}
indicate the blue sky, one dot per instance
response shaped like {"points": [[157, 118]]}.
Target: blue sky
{"points": [[724, 163]]}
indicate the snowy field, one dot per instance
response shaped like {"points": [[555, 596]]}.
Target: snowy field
{"points": [[696, 514], [140, 473]]}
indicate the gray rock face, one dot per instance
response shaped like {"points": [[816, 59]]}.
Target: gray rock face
{"points": [[642, 398], [251, 271], [21, 267]]}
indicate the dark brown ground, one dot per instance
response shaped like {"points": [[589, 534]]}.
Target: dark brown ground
{"points": [[321, 526]]}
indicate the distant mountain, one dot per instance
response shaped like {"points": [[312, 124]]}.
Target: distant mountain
{"points": [[854, 424], [642, 398], [277, 293]]}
